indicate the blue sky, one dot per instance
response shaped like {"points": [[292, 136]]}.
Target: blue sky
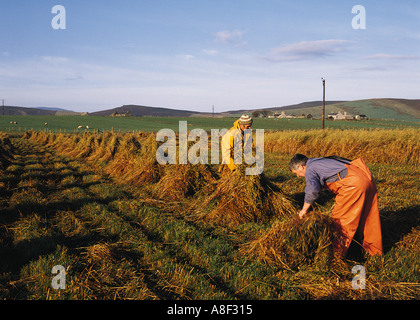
{"points": [[193, 54]]}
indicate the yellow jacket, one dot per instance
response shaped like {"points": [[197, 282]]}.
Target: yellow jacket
{"points": [[233, 136]]}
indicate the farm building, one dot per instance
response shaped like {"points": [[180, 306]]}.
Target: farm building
{"points": [[345, 116], [283, 115], [340, 116]]}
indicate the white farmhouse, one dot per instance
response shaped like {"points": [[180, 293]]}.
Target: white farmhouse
{"points": [[341, 116]]}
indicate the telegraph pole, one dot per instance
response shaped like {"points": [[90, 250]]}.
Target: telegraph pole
{"points": [[323, 103]]}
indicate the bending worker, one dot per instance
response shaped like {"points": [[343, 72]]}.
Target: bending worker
{"points": [[356, 202], [235, 136]]}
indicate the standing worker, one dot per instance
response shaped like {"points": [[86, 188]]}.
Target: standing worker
{"points": [[235, 136], [356, 202]]}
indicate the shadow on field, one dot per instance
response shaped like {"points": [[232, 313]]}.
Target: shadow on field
{"points": [[324, 197], [14, 257], [30, 205], [397, 224]]}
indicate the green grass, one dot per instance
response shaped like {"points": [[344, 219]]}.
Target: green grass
{"points": [[70, 124]]}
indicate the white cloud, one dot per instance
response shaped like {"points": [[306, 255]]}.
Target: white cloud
{"points": [[55, 59], [230, 37], [305, 50], [211, 52], [186, 56], [75, 77], [384, 56]]}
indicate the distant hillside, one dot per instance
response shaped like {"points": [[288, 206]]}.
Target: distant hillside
{"points": [[398, 109], [303, 105], [51, 109], [142, 111], [41, 111], [309, 104], [21, 111]]}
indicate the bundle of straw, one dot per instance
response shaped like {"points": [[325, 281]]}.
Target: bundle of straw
{"points": [[84, 147], [292, 242], [145, 168], [100, 252], [135, 162], [239, 198], [183, 180], [411, 241], [102, 148]]}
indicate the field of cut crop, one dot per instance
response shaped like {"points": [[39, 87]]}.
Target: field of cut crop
{"points": [[125, 227]]}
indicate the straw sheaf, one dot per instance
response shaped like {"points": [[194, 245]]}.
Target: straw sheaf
{"points": [[182, 181], [135, 162], [239, 198], [293, 242], [100, 252]]}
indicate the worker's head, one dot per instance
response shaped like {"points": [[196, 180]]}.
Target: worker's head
{"points": [[298, 165], [245, 122]]}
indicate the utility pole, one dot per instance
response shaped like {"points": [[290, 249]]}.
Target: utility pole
{"points": [[323, 103], [3, 105], [213, 111]]}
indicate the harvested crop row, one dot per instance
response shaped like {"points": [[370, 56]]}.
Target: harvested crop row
{"points": [[167, 252], [232, 200]]}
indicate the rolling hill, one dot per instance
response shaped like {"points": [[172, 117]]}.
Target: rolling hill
{"points": [[41, 111], [143, 111], [398, 109]]}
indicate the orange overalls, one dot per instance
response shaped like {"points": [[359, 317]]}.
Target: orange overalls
{"points": [[356, 206]]}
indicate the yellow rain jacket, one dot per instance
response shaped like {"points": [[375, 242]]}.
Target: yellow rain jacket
{"points": [[234, 136]]}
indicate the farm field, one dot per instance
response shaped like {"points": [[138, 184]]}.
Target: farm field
{"points": [[126, 228], [70, 124]]}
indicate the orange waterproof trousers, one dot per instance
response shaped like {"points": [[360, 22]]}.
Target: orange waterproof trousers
{"points": [[356, 207]]}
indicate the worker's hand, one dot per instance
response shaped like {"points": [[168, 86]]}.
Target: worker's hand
{"points": [[302, 213]]}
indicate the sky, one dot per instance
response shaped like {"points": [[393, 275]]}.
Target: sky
{"points": [[196, 54]]}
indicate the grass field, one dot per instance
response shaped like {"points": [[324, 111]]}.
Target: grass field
{"points": [[70, 124], [95, 205]]}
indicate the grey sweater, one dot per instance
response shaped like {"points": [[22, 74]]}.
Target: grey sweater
{"points": [[318, 172]]}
